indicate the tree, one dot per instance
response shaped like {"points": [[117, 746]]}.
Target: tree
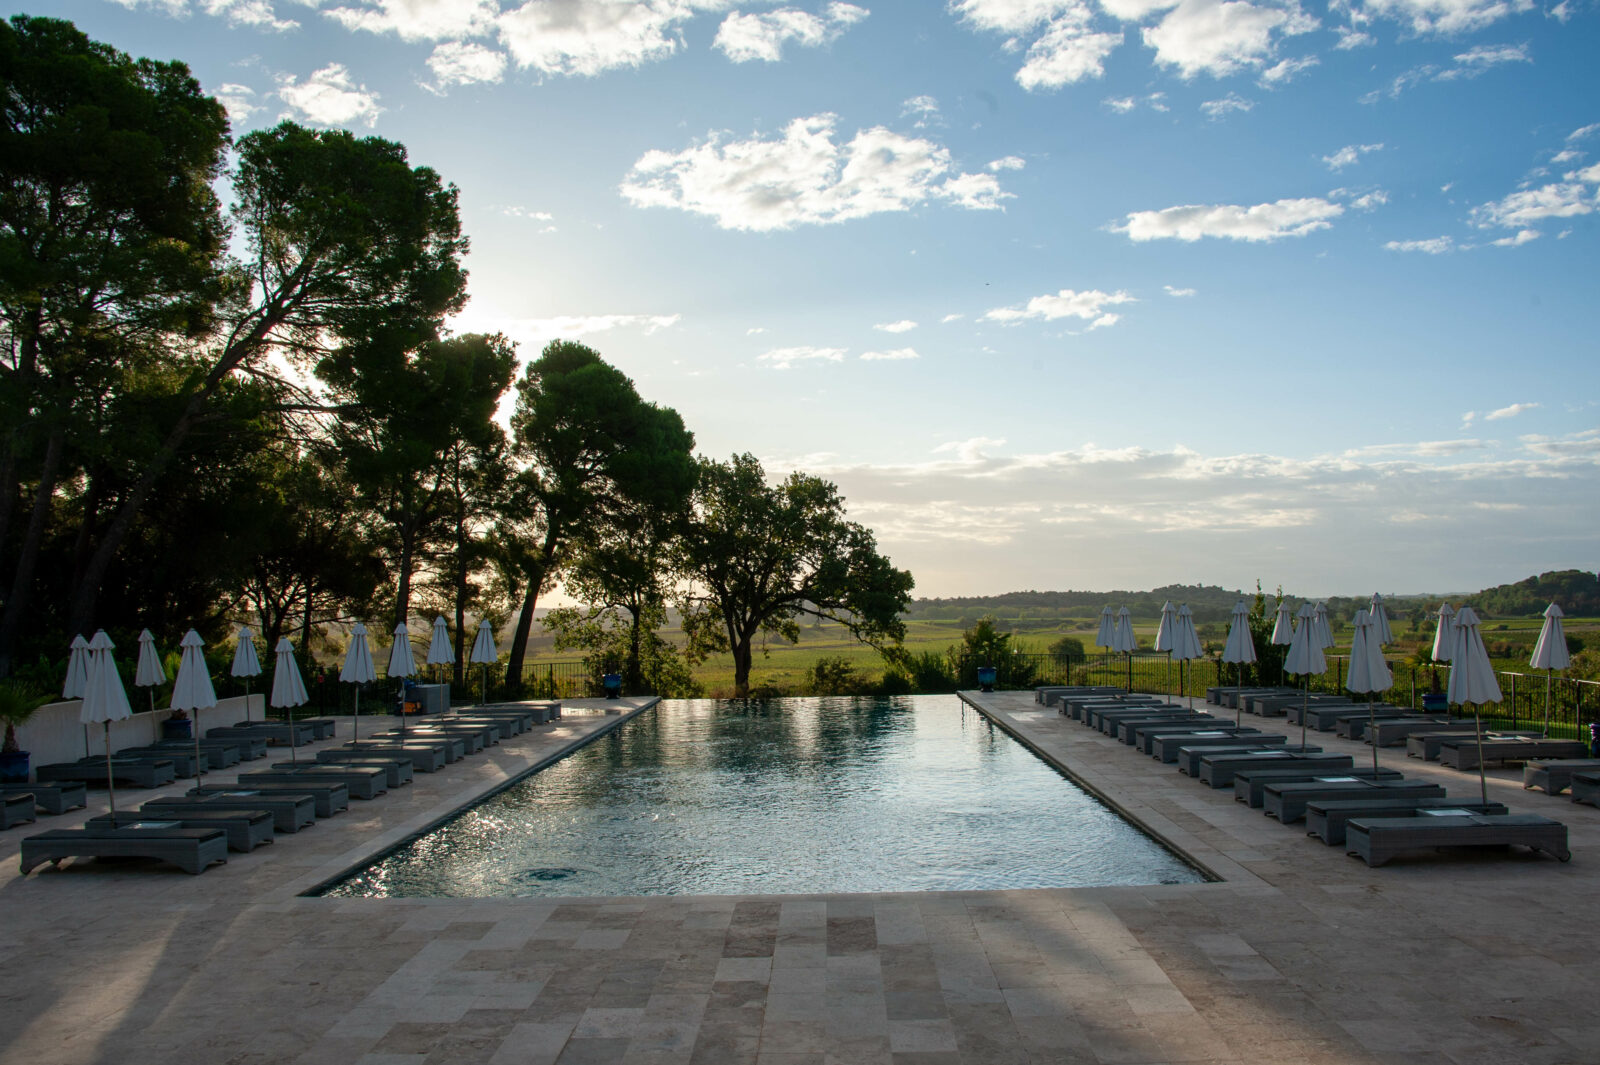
{"points": [[985, 645], [591, 446], [760, 556], [1067, 650]]}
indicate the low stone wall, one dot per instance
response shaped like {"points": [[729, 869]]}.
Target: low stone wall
{"points": [[54, 733]]}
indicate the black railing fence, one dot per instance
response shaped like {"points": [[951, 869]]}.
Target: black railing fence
{"points": [[564, 679]]}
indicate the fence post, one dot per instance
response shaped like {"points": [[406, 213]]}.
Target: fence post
{"points": [[1513, 700]]}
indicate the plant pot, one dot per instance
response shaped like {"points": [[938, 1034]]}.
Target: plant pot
{"points": [[612, 682], [14, 768], [177, 728]]}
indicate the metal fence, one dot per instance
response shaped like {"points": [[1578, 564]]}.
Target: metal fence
{"points": [[562, 679]]}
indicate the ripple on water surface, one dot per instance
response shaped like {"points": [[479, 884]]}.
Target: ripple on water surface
{"points": [[698, 797]]}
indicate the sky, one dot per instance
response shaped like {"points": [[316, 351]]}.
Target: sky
{"points": [[1083, 294]]}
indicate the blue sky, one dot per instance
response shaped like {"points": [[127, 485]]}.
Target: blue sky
{"points": [[1061, 293]]}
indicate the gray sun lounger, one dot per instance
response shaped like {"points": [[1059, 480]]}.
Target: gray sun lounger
{"points": [[455, 747], [1189, 757], [1327, 818], [55, 798], [510, 722], [16, 808], [1167, 747], [273, 732], [124, 771], [246, 829], [291, 811], [1554, 775], [1378, 840], [1396, 730], [1327, 718], [219, 753], [425, 757], [1287, 801], [1100, 717], [1249, 785], [1426, 745], [191, 849], [1355, 728], [1585, 787], [473, 739], [1280, 705], [327, 799], [1217, 769], [362, 782], [397, 770], [183, 762], [1127, 729], [1077, 709], [1464, 754]]}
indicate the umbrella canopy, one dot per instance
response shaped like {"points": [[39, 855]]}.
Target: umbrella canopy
{"points": [[1125, 641], [1169, 623], [104, 697], [77, 669], [1369, 672], [1186, 644], [483, 649], [401, 664], [1322, 630], [1283, 628], [1444, 637], [149, 672], [1551, 650], [1107, 636], [1380, 621], [193, 689], [439, 645], [245, 662], [1240, 648], [1305, 658], [287, 687], [1472, 679], [358, 667]]}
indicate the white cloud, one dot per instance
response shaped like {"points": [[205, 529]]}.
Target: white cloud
{"points": [[419, 20], [588, 37], [1583, 132], [239, 101], [1215, 109], [1011, 16], [1370, 200], [1262, 222], [464, 63], [1431, 246], [1509, 412], [1524, 236], [1485, 56], [1521, 209], [1565, 156], [1010, 162], [905, 325], [1445, 16], [804, 178], [1349, 155], [329, 98], [925, 109], [744, 37], [1120, 104], [891, 354], [1089, 305], [256, 14], [947, 319], [1222, 37], [1179, 291], [786, 358], [1285, 71], [1068, 51]]}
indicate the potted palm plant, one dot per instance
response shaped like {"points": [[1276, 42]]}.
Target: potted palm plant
{"points": [[18, 701]]}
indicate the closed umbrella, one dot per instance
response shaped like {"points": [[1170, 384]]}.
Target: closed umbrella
{"points": [[288, 690], [1322, 630], [104, 699], [246, 664], [1444, 638], [1550, 653], [1124, 640], [439, 645], [484, 654], [77, 669], [401, 665], [1240, 650], [1164, 636], [149, 671], [1472, 679], [193, 690], [1107, 636], [1305, 659], [357, 670], [1369, 672], [1380, 621], [1283, 632], [1186, 645]]}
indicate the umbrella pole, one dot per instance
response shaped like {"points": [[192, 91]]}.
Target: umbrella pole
{"points": [[355, 719], [294, 757], [1372, 733], [1477, 722], [1547, 704], [1238, 699], [196, 726], [402, 708], [1169, 676], [247, 700], [111, 783], [1305, 711]]}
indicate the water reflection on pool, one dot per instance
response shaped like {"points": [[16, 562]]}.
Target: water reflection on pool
{"points": [[915, 793]]}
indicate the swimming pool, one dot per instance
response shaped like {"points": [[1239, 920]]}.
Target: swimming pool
{"points": [[695, 797]]}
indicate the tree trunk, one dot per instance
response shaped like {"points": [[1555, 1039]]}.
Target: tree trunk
{"points": [[635, 679], [519, 642], [741, 668], [28, 559]]}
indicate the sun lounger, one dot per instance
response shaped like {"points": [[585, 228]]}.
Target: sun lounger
{"points": [[291, 811], [326, 728], [1326, 818], [1426, 745], [1355, 728], [1076, 707], [362, 782], [183, 762], [472, 738], [327, 799], [1126, 729], [272, 731], [427, 757], [1236, 698], [1165, 747], [1107, 720], [1287, 801], [245, 829], [1396, 730], [509, 722], [1249, 785], [1217, 769], [455, 747], [1378, 840], [124, 771], [1464, 754], [1327, 718], [397, 770], [52, 798], [1280, 705], [219, 753], [191, 849], [1585, 787], [1553, 775], [1145, 737], [16, 807]]}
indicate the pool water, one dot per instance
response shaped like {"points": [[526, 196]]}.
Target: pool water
{"points": [[696, 797]]}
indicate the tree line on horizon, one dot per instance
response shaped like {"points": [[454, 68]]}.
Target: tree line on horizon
{"points": [[212, 412]]}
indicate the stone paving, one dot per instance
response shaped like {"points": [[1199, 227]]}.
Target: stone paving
{"points": [[1298, 954]]}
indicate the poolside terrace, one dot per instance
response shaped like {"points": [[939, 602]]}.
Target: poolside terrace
{"points": [[1297, 954]]}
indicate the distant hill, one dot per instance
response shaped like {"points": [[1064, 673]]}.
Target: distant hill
{"points": [[1576, 590]]}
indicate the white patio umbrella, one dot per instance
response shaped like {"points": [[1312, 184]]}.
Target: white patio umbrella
{"points": [[193, 690], [1323, 631], [1186, 644], [357, 670], [1164, 636], [1107, 636], [1125, 641], [1240, 650], [1550, 653], [288, 690], [439, 646], [104, 699], [401, 665], [1305, 659], [484, 654], [1369, 672], [1283, 631], [246, 664], [1472, 679], [77, 669], [1380, 621], [149, 671], [1444, 637]]}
